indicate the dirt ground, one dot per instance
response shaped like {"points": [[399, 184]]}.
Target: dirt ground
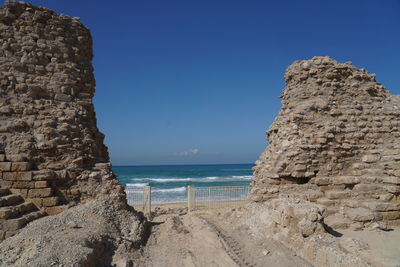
{"points": [[379, 248], [205, 239], [213, 238]]}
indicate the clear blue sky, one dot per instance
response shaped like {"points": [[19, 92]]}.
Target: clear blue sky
{"points": [[181, 82]]}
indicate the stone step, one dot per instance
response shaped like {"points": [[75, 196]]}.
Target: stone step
{"points": [[14, 211], [44, 201], [4, 191], [11, 225], [31, 216], [40, 192], [10, 200]]}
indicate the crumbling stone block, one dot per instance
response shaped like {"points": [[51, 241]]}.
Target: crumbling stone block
{"points": [[17, 176], [5, 166], [42, 192], [41, 184], [20, 166], [49, 201], [14, 224]]}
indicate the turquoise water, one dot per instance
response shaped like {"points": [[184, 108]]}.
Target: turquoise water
{"points": [[169, 183]]}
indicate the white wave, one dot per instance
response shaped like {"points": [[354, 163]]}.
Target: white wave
{"points": [[168, 190], [211, 178], [193, 179], [165, 180], [244, 177], [229, 170], [137, 184]]}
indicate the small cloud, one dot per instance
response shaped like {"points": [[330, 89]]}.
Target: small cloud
{"points": [[187, 153]]}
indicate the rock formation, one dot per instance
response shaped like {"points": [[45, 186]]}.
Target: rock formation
{"points": [[51, 153], [336, 142]]}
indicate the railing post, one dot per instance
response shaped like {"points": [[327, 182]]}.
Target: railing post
{"points": [[209, 197], [147, 200], [190, 190]]}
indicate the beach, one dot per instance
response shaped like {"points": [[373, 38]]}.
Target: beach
{"points": [[169, 182]]}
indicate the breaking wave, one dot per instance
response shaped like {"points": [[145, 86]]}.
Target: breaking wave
{"points": [[192, 179], [169, 190]]}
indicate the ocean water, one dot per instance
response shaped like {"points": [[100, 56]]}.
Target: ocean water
{"points": [[169, 183]]}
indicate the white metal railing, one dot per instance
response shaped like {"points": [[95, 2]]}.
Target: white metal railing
{"points": [[197, 197], [139, 198], [216, 196]]}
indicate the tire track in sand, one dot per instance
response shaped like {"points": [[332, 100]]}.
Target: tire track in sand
{"points": [[230, 245]]}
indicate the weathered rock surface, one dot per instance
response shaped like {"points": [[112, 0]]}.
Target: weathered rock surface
{"points": [[283, 220], [291, 216], [51, 152], [336, 142], [91, 234]]}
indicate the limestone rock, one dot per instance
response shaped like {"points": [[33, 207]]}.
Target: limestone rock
{"points": [[92, 234], [51, 151], [292, 216], [336, 138]]}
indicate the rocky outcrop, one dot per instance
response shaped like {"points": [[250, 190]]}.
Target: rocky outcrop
{"points": [[335, 142], [298, 225], [290, 216], [51, 152]]}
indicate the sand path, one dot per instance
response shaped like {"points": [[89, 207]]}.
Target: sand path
{"points": [[210, 240]]}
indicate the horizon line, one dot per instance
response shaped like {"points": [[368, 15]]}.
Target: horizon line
{"points": [[159, 165]]}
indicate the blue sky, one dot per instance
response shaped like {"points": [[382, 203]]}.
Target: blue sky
{"points": [[192, 82]]}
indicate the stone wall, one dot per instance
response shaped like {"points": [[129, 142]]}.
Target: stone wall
{"points": [[336, 141], [51, 152]]}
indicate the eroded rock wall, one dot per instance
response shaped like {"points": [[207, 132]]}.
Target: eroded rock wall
{"points": [[51, 152], [336, 141]]}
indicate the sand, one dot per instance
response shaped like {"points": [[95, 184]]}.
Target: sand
{"points": [[378, 248], [200, 238], [209, 237]]}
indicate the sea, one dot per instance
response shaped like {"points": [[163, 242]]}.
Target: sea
{"points": [[169, 182]]}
